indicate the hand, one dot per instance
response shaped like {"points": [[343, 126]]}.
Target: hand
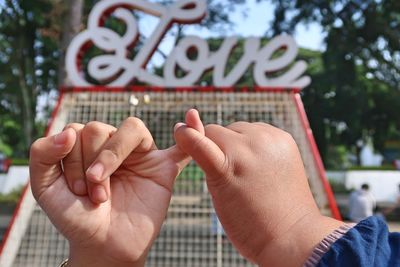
{"points": [[259, 189], [112, 197]]}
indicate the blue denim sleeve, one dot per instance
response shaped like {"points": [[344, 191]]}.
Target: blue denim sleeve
{"points": [[367, 244]]}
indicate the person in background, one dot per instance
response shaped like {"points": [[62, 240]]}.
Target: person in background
{"points": [[361, 204], [394, 210]]}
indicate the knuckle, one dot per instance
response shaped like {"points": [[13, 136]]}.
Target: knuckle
{"points": [[74, 125], [93, 128], [265, 126], [36, 147], [238, 124], [264, 134], [110, 155], [287, 137], [240, 127], [211, 127], [266, 130], [134, 122], [286, 142]]}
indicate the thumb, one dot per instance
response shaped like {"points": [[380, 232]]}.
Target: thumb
{"points": [[45, 159], [202, 149]]}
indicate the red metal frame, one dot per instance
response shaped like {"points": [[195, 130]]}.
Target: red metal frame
{"points": [[316, 156], [200, 89], [25, 190]]}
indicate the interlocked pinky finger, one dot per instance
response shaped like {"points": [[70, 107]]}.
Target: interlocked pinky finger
{"points": [[73, 164]]}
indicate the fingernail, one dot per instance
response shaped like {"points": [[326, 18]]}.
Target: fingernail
{"points": [[178, 125], [80, 187], [61, 138], [99, 194], [95, 172]]}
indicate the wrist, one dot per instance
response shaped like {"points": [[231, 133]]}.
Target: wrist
{"points": [[89, 258], [298, 241]]}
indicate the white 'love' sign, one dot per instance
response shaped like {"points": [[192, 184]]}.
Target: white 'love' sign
{"points": [[114, 68]]}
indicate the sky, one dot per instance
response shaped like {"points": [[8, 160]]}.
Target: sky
{"points": [[258, 21], [256, 24]]}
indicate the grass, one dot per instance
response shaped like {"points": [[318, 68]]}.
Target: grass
{"points": [[338, 187], [20, 162], [387, 167], [12, 197]]}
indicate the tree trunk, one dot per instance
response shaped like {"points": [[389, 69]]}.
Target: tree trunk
{"points": [[72, 20], [25, 67], [28, 118], [27, 95]]}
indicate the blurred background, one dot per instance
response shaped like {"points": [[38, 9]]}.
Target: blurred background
{"points": [[353, 102]]}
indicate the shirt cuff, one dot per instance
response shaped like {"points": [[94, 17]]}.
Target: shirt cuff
{"points": [[326, 243]]}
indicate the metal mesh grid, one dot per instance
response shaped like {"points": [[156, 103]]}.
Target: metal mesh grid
{"points": [[191, 234]]}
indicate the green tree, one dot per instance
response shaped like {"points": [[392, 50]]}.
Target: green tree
{"points": [[33, 39], [28, 56], [355, 94]]}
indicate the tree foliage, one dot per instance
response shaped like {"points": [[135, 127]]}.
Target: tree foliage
{"points": [[356, 92], [30, 66], [28, 56], [217, 18]]}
